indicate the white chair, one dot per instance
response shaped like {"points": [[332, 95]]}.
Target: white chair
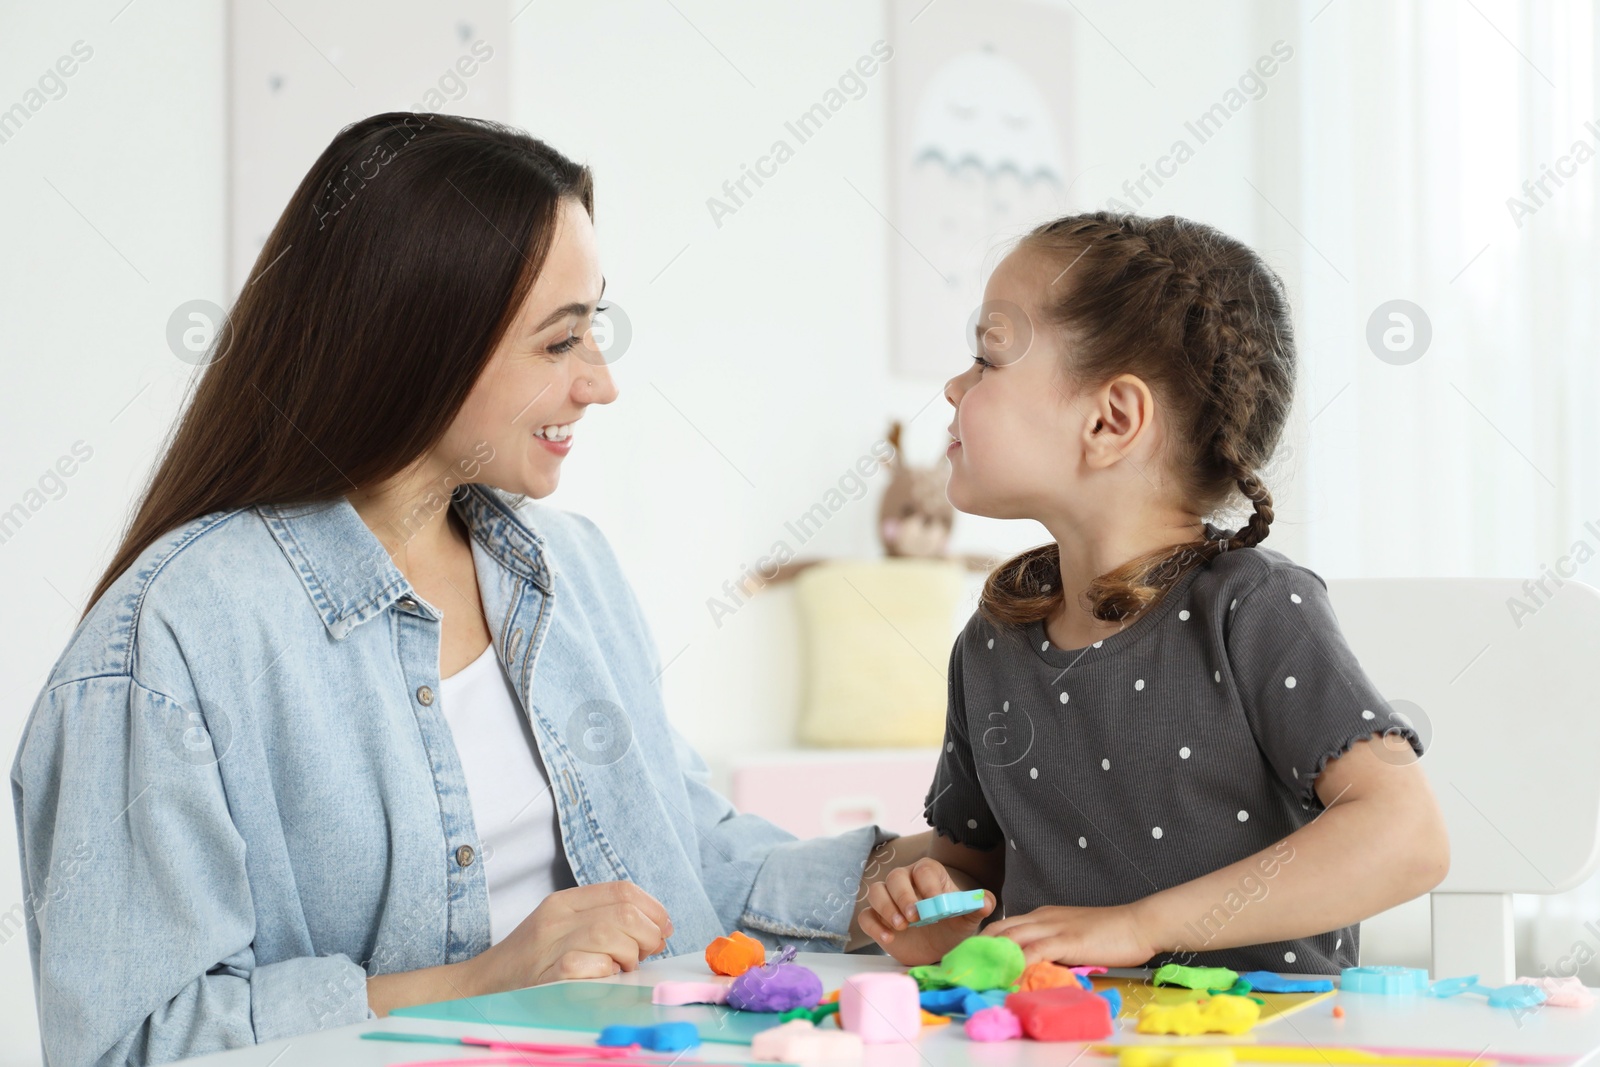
{"points": [[1515, 734]]}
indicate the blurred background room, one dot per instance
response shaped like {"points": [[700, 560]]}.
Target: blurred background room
{"points": [[797, 205]]}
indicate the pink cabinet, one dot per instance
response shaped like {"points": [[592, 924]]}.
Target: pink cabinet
{"points": [[814, 792]]}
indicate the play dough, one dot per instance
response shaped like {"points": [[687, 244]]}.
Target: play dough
{"points": [[775, 989], [1214, 1015], [994, 1024], [1210, 979], [1061, 1014], [882, 1008], [801, 1042], [979, 963], [735, 954]]}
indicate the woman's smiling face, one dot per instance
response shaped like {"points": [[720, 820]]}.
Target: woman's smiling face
{"points": [[543, 375]]}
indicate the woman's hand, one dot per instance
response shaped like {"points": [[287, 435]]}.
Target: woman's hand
{"points": [[892, 908], [1110, 937], [591, 931]]}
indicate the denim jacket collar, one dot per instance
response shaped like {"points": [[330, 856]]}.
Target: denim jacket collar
{"points": [[348, 574]]}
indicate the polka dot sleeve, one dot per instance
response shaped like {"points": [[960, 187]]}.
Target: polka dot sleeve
{"points": [[955, 805], [1305, 695]]}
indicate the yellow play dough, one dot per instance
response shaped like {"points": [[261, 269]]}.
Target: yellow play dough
{"points": [[1215, 1015]]}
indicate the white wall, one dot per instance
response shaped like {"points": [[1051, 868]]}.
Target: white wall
{"points": [[114, 214]]}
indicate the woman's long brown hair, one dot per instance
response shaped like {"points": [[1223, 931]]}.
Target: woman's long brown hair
{"points": [[1203, 321], [387, 282]]}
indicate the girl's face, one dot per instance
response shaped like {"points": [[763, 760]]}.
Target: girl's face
{"points": [[1014, 450], [520, 418]]}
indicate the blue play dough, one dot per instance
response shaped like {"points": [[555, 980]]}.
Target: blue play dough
{"points": [[1115, 999], [945, 1001], [662, 1037], [959, 1000], [1268, 982], [948, 906]]}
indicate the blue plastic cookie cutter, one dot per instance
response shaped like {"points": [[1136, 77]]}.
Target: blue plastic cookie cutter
{"points": [[1516, 995], [1389, 981], [948, 906]]}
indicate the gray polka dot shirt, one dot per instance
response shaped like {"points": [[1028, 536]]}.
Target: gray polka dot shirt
{"points": [[1185, 742]]}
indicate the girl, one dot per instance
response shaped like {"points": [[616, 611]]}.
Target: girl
{"points": [[350, 722], [1159, 746]]}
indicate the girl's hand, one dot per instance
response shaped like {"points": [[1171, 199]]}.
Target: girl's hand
{"points": [[1109, 937], [892, 908]]}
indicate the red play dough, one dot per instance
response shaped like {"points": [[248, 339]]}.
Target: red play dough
{"points": [[1062, 1014]]}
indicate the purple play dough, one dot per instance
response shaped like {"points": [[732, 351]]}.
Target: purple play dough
{"points": [[774, 989]]}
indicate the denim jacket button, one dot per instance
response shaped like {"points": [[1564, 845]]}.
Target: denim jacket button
{"points": [[464, 855], [425, 696], [406, 602]]}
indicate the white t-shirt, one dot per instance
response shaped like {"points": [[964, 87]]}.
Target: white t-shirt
{"points": [[518, 835]]}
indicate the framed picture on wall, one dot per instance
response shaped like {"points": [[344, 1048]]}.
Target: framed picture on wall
{"points": [[979, 153]]}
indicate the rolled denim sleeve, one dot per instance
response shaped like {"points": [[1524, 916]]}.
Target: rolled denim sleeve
{"points": [[763, 880], [139, 916]]}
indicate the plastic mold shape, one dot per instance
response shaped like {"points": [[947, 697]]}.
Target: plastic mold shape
{"points": [[1516, 995], [1389, 981], [948, 906]]}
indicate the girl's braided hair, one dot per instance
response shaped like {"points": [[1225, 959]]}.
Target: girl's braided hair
{"points": [[1204, 322]]}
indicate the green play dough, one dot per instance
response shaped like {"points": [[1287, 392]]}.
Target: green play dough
{"points": [[1211, 979], [979, 963]]}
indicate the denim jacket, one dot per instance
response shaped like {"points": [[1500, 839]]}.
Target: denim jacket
{"points": [[236, 795]]}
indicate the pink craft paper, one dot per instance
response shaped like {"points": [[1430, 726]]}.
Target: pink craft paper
{"points": [[527, 1059], [601, 1052]]}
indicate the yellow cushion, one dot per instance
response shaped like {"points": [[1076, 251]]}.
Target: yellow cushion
{"points": [[877, 637]]}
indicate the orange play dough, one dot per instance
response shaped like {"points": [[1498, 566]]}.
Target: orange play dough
{"points": [[1046, 975], [735, 954]]}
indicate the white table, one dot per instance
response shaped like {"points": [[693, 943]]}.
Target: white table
{"points": [[1464, 1022]]}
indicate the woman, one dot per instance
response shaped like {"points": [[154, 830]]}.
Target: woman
{"points": [[338, 658]]}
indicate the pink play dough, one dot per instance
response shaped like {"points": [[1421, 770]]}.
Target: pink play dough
{"points": [[1567, 992], [798, 1041], [882, 1008], [679, 993], [994, 1024]]}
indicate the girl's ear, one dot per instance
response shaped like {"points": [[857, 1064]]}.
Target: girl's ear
{"points": [[1122, 412]]}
